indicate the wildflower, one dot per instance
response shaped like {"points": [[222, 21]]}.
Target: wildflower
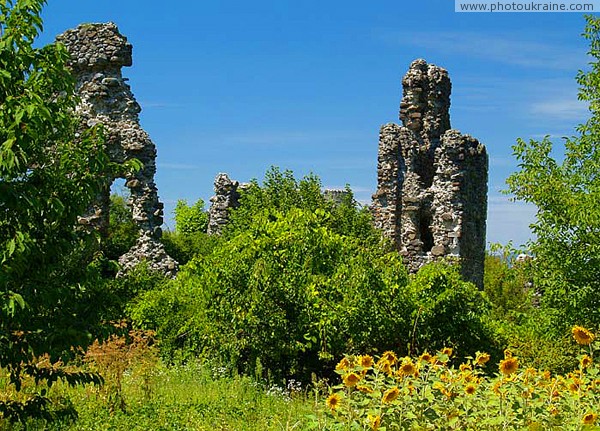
{"points": [[343, 365], [333, 401], [439, 386], [589, 419], [509, 365], [465, 367], [364, 389], [390, 357], [575, 385], [447, 351], [374, 422], [365, 361], [585, 361], [390, 395], [582, 335], [482, 358], [425, 357], [385, 366], [351, 379], [470, 389], [546, 375], [407, 368]]}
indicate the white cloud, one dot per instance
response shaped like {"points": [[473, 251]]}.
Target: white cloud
{"points": [[564, 109], [499, 48]]}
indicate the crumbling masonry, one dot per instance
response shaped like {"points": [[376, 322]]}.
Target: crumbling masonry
{"points": [[226, 198], [98, 52], [431, 198]]}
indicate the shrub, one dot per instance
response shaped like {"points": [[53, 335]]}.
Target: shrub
{"points": [[287, 291], [450, 311]]}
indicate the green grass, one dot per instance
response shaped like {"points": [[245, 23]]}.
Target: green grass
{"points": [[187, 397]]}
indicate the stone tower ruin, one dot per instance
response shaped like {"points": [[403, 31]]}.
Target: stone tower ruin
{"points": [[98, 52], [431, 197]]}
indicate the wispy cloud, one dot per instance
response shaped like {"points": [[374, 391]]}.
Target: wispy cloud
{"points": [[499, 48], [567, 109]]}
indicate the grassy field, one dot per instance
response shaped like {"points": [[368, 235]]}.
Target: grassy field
{"points": [[190, 397]]}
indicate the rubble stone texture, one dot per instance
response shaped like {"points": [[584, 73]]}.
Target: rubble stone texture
{"points": [[98, 52], [227, 195], [431, 197]]}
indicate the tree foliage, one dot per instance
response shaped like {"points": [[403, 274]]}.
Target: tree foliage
{"points": [[190, 219], [47, 178], [566, 193], [296, 282]]}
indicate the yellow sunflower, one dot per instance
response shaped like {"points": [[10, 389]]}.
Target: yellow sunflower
{"points": [[390, 357], [447, 351], [390, 395], [586, 361], [589, 419], [333, 401], [470, 389], [465, 367], [374, 422], [364, 389], [407, 368], [582, 335], [351, 379], [385, 366], [365, 361], [482, 358], [425, 357], [344, 364], [509, 365]]}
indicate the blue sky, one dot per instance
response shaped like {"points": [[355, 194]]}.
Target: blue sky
{"points": [[238, 86]]}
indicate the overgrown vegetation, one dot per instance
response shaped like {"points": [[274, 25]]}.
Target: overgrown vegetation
{"points": [[249, 334]]}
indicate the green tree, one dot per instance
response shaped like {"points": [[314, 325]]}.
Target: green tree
{"points": [[190, 219], [288, 293], [122, 230], [567, 193], [189, 238], [281, 191], [47, 179]]}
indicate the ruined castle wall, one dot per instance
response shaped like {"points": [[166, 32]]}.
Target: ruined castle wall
{"points": [[387, 200], [431, 197], [226, 198], [98, 52]]}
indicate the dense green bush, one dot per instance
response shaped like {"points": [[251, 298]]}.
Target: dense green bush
{"points": [[280, 192], [287, 292], [189, 239], [297, 281], [190, 219], [451, 312]]}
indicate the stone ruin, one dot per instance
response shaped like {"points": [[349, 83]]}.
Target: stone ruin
{"points": [[431, 197], [227, 195], [98, 52]]}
